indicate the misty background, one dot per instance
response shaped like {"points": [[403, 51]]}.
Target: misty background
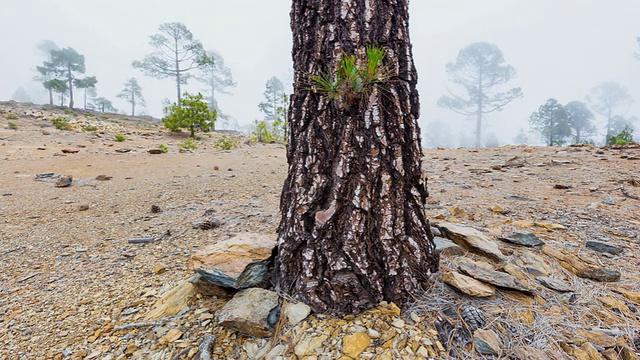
{"points": [[560, 49]]}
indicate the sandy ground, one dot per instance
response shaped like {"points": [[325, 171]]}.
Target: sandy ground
{"points": [[67, 270]]}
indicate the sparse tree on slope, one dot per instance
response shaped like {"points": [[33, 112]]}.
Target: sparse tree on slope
{"points": [[218, 79], [274, 90], [58, 86], [551, 121], [479, 69], [45, 73], [132, 93], [66, 63], [176, 55], [521, 138], [580, 120], [191, 113], [609, 99], [353, 230], [86, 84], [103, 105]]}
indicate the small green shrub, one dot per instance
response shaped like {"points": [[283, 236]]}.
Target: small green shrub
{"points": [[623, 138], [190, 113], [188, 144], [61, 124], [163, 148], [120, 138], [225, 143], [90, 128], [12, 125], [12, 117]]}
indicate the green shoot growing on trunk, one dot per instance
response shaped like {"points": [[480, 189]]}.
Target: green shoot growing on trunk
{"points": [[352, 79]]}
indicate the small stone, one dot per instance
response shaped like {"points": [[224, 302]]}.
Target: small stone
{"points": [[103, 177], [83, 207], [487, 342], [297, 312], [524, 239], [603, 247], [308, 345], [171, 336], [599, 274], [497, 209], [155, 209], [466, 284], [70, 151], [64, 181], [159, 269], [155, 151], [131, 348], [608, 201], [555, 284], [356, 344], [631, 296]]}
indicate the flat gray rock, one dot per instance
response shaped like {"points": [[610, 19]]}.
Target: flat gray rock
{"points": [[604, 247], [447, 247], [523, 239], [555, 284], [497, 278], [599, 274]]}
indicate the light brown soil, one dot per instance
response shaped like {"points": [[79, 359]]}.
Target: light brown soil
{"points": [[66, 273]]}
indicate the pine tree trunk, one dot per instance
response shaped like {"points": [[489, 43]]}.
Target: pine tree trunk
{"points": [[70, 77], [353, 230]]}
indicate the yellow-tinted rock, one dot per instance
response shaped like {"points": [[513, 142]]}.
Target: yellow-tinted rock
{"points": [[356, 344], [598, 338], [159, 269], [171, 336], [630, 295], [173, 301], [467, 284]]}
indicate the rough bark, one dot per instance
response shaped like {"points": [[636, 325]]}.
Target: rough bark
{"points": [[353, 230]]}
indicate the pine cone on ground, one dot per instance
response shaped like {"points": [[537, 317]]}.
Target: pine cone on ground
{"points": [[207, 224]]}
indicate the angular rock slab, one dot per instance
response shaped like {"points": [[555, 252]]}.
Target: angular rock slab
{"points": [[173, 301], [472, 239], [604, 247], [523, 239], [535, 264], [248, 312], [238, 262], [599, 274], [496, 278], [447, 247], [555, 284], [487, 342], [467, 285]]}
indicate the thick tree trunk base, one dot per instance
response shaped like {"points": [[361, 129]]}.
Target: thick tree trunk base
{"points": [[353, 230]]}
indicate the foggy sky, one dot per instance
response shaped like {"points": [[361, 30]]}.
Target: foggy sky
{"points": [[559, 49]]}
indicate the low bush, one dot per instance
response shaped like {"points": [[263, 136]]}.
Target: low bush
{"points": [[225, 143], [61, 124], [120, 138], [188, 144]]}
